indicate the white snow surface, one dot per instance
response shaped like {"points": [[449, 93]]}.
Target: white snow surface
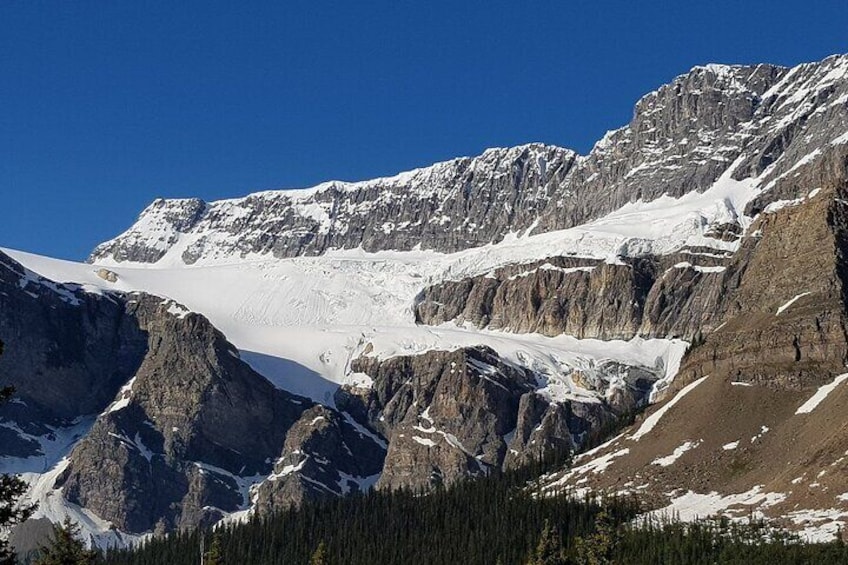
{"points": [[691, 506], [676, 454], [698, 268], [651, 421], [300, 321], [820, 395]]}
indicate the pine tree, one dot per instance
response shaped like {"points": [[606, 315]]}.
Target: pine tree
{"points": [[213, 556], [12, 488], [66, 547], [319, 557], [598, 548], [549, 549]]}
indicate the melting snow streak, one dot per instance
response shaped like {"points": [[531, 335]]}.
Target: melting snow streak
{"points": [[820, 395], [654, 418]]}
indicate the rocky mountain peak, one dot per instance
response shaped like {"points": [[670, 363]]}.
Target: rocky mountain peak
{"points": [[715, 216], [682, 138]]}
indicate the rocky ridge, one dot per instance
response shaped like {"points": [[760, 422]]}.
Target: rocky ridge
{"points": [[166, 393], [671, 296], [450, 414], [753, 422], [141, 412], [763, 120]]}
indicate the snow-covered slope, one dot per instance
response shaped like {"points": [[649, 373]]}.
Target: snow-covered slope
{"points": [[764, 121], [300, 321], [305, 282]]}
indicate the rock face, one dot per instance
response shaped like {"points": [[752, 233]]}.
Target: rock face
{"points": [[785, 320], [761, 119], [192, 419], [452, 205], [444, 413], [324, 454], [178, 426], [67, 353], [749, 414], [668, 296], [450, 414]]}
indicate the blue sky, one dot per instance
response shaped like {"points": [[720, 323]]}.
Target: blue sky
{"points": [[105, 106]]}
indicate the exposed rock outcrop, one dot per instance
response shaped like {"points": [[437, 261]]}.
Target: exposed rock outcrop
{"points": [[172, 426], [324, 454], [193, 419], [668, 296], [750, 428], [67, 353], [444, 413], [760, 119], [450, 414], [785, 319]]}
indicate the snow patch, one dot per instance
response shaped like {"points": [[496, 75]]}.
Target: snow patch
{"points": [[790, 303], [123, 397], [692, 506], [700, 269], [594, 466], [820, 395], [763, 431], [652, 420], [676, 454], [424, 441]]}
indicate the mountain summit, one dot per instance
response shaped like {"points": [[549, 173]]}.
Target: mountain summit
{"points": [[745, 121], [226, 358]]}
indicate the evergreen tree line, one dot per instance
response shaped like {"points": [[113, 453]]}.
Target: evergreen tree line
{"points": [[474, 521], [710, 541], [493, 520], [499, 519]]}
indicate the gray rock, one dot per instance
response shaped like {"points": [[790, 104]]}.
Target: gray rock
{"points": [[451, 414], [180, 426], [324, 455], [66, 352], [797, 251], [760, 119], [193, 420], [650, 296]]}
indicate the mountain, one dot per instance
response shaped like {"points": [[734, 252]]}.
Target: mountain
{"points": [[165, 419], [755, 121], [232, 357], [186, 432], [755, 418]]}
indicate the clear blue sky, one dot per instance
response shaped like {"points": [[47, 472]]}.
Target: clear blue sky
{"points": [[107, 105]]}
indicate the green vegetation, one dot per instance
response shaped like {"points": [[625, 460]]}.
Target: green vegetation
{"points": [[66, 548], [475, 521], [12, 488], [496, 519]]}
